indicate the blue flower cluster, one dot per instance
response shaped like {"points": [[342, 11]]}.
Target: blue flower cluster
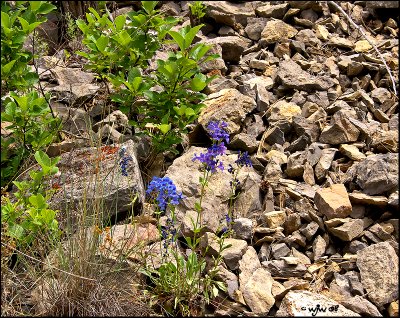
{"points": [[217, 131], [163, 190], [123, 163], [243, 159], [210, 160], [218, 134]]}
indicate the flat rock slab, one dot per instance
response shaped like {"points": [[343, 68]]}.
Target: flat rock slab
{"points": [[379, 269], [90, 180], [301, 303]]}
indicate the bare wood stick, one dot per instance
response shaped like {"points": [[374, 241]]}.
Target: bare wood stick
{"points": [[369, 41]]}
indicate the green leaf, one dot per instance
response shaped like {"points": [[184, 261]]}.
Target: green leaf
{"points": [[191, 34], [46, 8], [123, 38], [164, 128], [198, 83], [35, 5], [5, 20], [38, 201], [42, 158], [24, 24], [102, 43], [6, 68], [189, 112], [149, 6], [16, 231], [120, 22], [179, 39]]}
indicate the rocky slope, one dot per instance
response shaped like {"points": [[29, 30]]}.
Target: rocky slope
{"points": [[312, 102]]}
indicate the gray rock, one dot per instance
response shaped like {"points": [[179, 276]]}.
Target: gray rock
{"points": [[378, 173], [304, 303], [303, 80], [243, 228], [279, 250], [227, 13], [215, 64], [244, 142], [341, 131], [379, 269], [356, 287], [116, 119], [309, 230], [280, 268], [232, 46], [254, 28], [382, 4], [295, 164], [228, 105], [230, 279], [361, 306], [348, 228], [319, 247], [324, 162], [74, 120], [220, 83], [274, 136], [272, 11], [303, 126], [226, 30], [234, 253], [79, 169]]}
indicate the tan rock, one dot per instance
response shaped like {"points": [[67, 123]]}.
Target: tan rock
{"points": [[275, 218], [393, 309], [333, 201], [276, 31], [362, 46], [349, 230], [352, 152], [321, 32], [258, 292], [362, 198]]}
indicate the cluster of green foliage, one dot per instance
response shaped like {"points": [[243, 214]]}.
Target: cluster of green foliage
{"points": [[28, 217], [197, 9], [31, 123], [160, 103]]}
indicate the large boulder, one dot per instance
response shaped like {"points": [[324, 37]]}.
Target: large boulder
{"points": [[186, 173], [90, 180]]}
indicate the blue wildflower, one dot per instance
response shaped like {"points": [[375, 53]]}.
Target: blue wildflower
{"points": [[163, 190], [243, 159], [217, 131], [123, 163], [209, 159]]}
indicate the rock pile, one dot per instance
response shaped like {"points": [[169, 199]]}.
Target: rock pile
{"points": [[312, 102]]}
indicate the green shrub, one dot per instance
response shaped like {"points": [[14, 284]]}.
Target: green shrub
{"points": [[119, 51], [29, 218]]}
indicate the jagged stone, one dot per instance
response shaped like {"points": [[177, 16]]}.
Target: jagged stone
{"points": [[275, 31], [333, 201]]}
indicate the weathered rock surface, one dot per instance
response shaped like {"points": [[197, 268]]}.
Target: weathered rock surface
{"points": [[305, 303], [379, 269], [333, 201]]}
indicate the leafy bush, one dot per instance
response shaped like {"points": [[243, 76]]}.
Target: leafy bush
{"points": [[31, 122], [162, 103], [197, 11], [16, 24], [28, 218]]}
